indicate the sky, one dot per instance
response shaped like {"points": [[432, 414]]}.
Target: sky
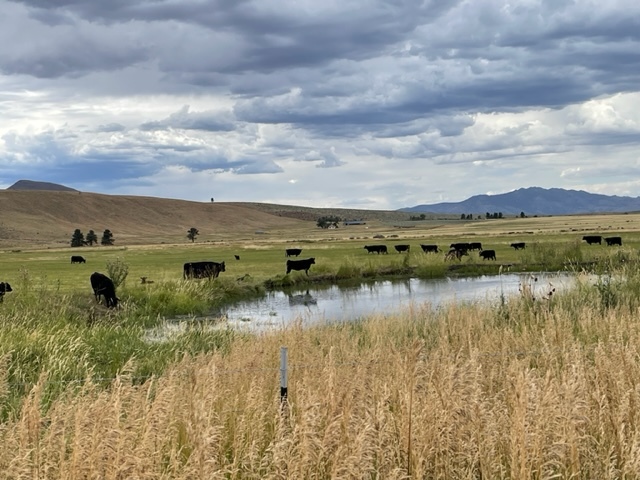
{"points": [[364, 104]]}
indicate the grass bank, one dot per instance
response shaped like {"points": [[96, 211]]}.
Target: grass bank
{"points": [[523, 388]]}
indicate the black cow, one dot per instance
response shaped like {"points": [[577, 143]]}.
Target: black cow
{"points": [[376, 249], [300, 265], [202, 269], [77, 259], [593, 239], [613, 241], [488, 254], [4, 288], [103, 285], [518, 245], [475, 246], [402, 248], [237, 257], [293, 252], [461, 246], [429, 248]]}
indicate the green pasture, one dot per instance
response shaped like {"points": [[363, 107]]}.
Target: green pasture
{"points": [[335, 259], [51, 322]]}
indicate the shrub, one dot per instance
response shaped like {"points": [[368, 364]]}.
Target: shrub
{"points": [[118, 271]]}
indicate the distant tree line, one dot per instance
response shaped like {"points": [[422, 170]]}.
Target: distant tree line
{"points": [[78, 238]]}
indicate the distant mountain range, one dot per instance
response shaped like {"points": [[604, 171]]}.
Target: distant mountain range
{"points": [[33, 185], [535, 201]]}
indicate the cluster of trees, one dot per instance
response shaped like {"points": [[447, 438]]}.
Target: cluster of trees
{"points": [[78, 238], [416, 218], [328, 220]]}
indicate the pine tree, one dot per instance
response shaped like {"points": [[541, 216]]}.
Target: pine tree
{"points": [[107, 238], [91, 238], [77, 240]]}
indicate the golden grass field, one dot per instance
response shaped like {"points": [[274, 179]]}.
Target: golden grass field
{"points": [[530, 388]]}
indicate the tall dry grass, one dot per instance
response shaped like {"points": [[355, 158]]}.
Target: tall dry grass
{"points": [[534, 387]]}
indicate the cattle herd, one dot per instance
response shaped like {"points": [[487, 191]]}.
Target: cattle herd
{"points": [[103, 286]]}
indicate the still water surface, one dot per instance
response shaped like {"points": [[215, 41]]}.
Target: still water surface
{"points": [[345, 303]]}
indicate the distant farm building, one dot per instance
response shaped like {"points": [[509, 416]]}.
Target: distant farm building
{"points": [[354, 222]]}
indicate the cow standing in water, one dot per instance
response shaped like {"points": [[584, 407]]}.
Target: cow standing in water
{"points": [[103, 286]]}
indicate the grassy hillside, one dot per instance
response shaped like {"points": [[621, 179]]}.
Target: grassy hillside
{"points": [[38, 218], [48, 218]]}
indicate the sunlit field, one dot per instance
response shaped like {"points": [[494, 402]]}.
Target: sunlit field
{"points": [[526, 387]]}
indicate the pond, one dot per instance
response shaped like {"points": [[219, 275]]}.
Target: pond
{"points": [[385, 297]]}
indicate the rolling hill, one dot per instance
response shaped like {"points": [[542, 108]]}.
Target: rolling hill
{"points": [[48, 218]]}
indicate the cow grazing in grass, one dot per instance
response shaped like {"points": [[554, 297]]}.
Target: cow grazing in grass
{"points": [[300, 265], [293, 252], [475, 246], [402, 248], [455, 254], [4, 288], [202, 269], [465, 246], [488, 254], [103, 286], [376, 249], [613, 241], [237, 257], [429, 248], [518, 245], [591, 239], [77, 259]]}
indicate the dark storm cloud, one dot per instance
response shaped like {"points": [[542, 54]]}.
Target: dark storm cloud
{"points": [[289, 86]]}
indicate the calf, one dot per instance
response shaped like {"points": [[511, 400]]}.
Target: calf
{"points": [[429, 248], [293, 252], [593, 239], [613, 241], [4, 288], [300, 265], [518, 245], [202, 269], [103, 285], [402, 248], [488, 254], [455, 253], [376, 249], [77, 259]]}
